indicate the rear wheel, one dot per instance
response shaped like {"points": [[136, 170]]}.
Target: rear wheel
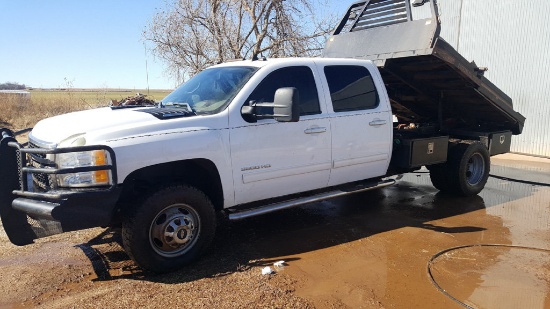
{"points": [[465, 173], [438, 176], [170, 229], [470, 166]]}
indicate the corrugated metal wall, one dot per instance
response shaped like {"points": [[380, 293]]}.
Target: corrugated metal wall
{"points": [[512, 39]]}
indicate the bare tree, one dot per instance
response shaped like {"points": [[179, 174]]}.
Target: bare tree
{"points": [[193, 34]]}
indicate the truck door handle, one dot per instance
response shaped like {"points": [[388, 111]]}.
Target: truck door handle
{"points": [[377, 122], [315, 130]]}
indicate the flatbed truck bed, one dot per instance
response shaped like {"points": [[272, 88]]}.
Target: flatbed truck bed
{"points": [[429, 83]]}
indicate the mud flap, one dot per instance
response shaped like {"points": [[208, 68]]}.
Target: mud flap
{"points": [[15, 222]]}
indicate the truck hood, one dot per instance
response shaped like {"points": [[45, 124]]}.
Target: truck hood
{"points": [[104, 122]]}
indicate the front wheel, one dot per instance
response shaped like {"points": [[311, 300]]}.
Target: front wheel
{"points": [[170, 229]]}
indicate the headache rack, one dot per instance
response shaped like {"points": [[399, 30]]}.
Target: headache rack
{"points": [[426, 78]]}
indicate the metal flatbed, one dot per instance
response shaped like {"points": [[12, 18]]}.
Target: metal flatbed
{"points": [[427, 80]]}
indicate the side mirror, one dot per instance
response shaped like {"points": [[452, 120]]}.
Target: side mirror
{"points": [[286, 107]]}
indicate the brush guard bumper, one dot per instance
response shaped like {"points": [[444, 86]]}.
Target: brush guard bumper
{"points": [[28, 214]]}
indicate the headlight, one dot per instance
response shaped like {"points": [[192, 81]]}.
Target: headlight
{"points": [[83, 159]]}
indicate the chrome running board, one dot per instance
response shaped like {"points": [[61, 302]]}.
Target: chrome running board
{"points": [[242, 214]]}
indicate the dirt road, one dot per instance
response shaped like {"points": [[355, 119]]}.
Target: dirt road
{"points": [[405, 246]]}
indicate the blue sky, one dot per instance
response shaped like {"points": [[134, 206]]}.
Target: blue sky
{"points": [[91, 44]]}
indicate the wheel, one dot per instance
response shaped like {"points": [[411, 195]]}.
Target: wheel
{"points": [[468, 168], [170, 229], [438, 176]]}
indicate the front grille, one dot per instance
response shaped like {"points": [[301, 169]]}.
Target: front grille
{"points": [[19, 165], [33, 145], [41, 181]]}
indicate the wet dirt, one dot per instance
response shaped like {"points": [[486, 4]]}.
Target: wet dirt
{"points": [[369, 250], [494, 276]]}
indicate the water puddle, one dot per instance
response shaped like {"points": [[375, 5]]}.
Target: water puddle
{"points": [[494, 276]]}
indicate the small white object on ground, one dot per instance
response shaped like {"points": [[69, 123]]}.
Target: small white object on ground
{"points": [[279, 264], [267, 270]]}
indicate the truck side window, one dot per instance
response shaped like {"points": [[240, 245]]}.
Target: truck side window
{"points": [[300, 77], [351, 88]]}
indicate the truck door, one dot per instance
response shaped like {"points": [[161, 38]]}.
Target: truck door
{"points": [[273, 158], [361, 122]]}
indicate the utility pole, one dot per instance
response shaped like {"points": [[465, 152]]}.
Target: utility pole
{"points": [[146, 69]]}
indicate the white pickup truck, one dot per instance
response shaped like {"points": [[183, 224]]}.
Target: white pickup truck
{"points": [[248, 138]]}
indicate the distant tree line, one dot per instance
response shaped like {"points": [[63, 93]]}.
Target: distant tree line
{"points": [[12, 86]]}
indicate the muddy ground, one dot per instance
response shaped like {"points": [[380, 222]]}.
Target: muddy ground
{"points": [[405, 246]]}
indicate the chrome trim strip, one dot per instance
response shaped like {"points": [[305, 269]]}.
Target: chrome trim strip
{"points": [[284, 172], [361, 160]]}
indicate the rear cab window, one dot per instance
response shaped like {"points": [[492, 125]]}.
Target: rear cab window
{"points": [[351, 88]]}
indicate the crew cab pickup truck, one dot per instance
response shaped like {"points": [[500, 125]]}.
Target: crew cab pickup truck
{"points": [[255, 136]]}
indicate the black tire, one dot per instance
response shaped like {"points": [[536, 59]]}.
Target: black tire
{"points": [[170, 229], [468, 168], [438, 176]]}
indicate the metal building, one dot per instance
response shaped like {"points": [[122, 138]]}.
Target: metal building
{"points": [[512, 39]]}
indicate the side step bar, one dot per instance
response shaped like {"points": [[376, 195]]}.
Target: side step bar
{"points": [[238, 215]]}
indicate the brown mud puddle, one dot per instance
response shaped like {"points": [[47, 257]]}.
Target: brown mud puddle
{"points": [[494, 276], [386, 242]]}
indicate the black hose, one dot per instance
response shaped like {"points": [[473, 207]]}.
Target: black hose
{"points": [[528, 182], [440, 253], [534, 183]]}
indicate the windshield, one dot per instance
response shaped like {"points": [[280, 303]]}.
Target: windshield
{"points": [[210, 91]]}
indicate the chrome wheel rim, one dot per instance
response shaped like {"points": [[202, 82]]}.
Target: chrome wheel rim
{"points": [[175, 230], [475, 169]]}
